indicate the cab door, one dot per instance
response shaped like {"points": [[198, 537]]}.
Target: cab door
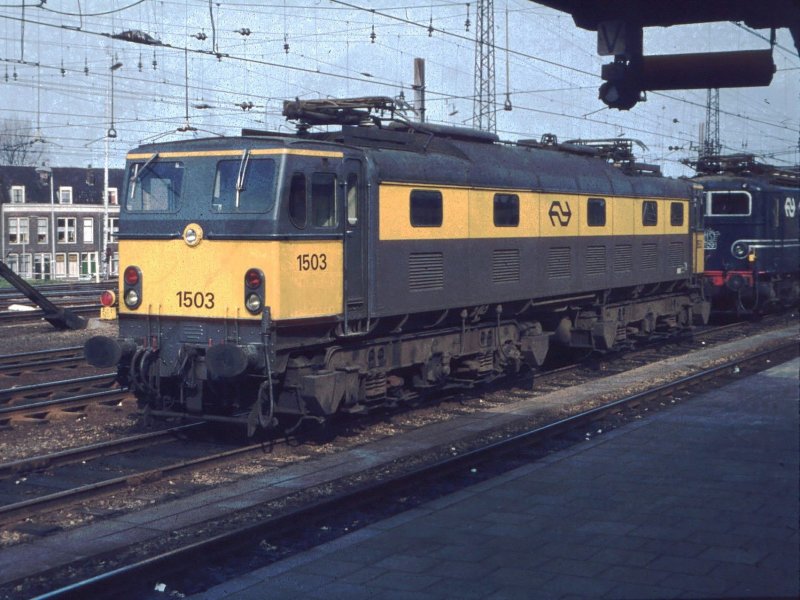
{"points": [[354, 206]]}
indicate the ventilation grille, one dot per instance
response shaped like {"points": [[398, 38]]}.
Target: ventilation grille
{"points": [[595, 260], [675, 254], [505, 266], [193, 332], [649, 256], [425, 271], [558, 263], [623, 258]]}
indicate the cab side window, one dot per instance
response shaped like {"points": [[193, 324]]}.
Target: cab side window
{"points": [[323, 200], [729, 204], [352, 199], [297, 200]]}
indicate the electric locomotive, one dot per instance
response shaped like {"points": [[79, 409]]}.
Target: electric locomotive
{"points": [[274, 277], [751, 234]]}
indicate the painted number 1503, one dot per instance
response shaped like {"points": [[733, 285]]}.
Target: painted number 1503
{"points": [[188, 299], [312, 262]]}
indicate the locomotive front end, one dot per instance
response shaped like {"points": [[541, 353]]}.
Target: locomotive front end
{"points": [[208, 269]]}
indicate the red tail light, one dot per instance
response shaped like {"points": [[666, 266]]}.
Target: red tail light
{"points": [[131, 275], [253, 279], [108, 298]]}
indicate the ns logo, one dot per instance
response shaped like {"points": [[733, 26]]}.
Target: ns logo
{"points": [[559, 214], [790, 207], [710, 237]]}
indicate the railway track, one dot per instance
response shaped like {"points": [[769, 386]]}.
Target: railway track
{"points": [[90, 458], [367, 493], [25, 401], [31, 405], [14, 365], [14, 317], [9, 295]]}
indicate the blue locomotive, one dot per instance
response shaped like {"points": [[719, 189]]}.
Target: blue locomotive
{"points": [[752, 261]]}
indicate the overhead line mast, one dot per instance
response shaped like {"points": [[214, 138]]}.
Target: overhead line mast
{"points": [[483, 112]]}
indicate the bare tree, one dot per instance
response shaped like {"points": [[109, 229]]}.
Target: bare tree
{"points": [[20, 145]]}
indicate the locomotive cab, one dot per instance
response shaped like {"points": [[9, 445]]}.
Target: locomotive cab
{"points": [[218, 245], [751, 241]]}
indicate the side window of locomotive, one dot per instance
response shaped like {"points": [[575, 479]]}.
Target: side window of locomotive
{"points": [[154, 187], [729, 204], [426, 208], [506, 210], [649, 213], [323, 199], [676, 214], [297, 200], [596, 212], [352, 199], [254, 180]]}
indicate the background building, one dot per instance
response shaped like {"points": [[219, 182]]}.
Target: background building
{"points": [[55, 223]]}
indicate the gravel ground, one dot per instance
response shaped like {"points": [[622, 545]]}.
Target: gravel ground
{"points": [[43, 336], [63, 430]]}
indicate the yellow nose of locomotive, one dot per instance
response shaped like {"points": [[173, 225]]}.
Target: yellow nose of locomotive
{"points": [[199, 277]]}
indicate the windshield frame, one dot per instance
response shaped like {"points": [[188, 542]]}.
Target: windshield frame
{"points": [[135, 183]]}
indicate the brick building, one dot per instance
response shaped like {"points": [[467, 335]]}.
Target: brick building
{"points": [[52, 223]]}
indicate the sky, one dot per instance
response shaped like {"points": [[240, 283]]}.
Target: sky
{"points": [[227, 65]]}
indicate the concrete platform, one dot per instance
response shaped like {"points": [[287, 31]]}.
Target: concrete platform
{"points": [[700, 501]]}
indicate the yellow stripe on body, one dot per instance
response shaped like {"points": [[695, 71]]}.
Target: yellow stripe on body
{"points": [[253, 152], [699, 252], [469, 214], [218, 267]]}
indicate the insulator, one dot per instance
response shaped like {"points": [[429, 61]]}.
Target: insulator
{"points": [[155, 62], [86, 67], [63, 70], [430, 28], [286, 43], [372, 35], [15, 74], [467, 23]]}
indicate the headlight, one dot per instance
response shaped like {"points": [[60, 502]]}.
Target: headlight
{"points": [[253, 303], [739, 250], [131, 275], [131, 299], [191, 237]]}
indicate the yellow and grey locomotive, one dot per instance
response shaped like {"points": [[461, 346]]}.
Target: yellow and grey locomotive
{"points": [[295, 276]]}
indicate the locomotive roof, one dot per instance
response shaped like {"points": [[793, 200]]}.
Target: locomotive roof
{"points": [[456, 156], [745, 182]]}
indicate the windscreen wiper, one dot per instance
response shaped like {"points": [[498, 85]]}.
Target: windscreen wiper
{"points": [[138, 172], [242, 172]]}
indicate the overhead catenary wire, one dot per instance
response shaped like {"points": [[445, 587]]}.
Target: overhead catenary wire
{"points": [[568, 107]]}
